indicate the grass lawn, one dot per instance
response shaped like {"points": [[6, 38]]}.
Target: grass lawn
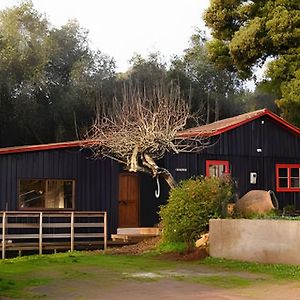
{"points": [[19, 276]]}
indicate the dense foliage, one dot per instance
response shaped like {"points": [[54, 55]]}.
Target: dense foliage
{"points": [[246, 33], [49, 78], [52, 82], [212, 91], [190, 206]]}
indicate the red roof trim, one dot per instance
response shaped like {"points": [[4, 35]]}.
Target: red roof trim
{"points": [[184, 134], [263, 112], [52, 146]]}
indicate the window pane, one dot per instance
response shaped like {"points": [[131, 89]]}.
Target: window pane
{"points": [[68, 192], [295, 182], [217, 169], [221, 170], [213, 171], [283, 172], [32, 193], [283, 182], [46, 193], [295, 172]]}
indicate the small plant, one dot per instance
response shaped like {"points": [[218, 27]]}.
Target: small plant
{"points": [[289, 210], [190, 206]]}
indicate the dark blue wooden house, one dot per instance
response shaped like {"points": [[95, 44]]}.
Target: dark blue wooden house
{"points": [[259, 149]]}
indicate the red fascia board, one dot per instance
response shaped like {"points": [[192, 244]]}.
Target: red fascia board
{"points": [[53, 146], [273, 116]]}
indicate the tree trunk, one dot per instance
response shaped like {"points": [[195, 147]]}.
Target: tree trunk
{"points": [[208, 109], [148, 161], [217, 109], [167, 177]]}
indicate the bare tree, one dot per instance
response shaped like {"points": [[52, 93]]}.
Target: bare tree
{"points": [[138, 130]]}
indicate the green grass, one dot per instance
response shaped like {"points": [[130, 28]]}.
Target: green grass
{"points": [[276, 271], [18, 275], [230, 281]]}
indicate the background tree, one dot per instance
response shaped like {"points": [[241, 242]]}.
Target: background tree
{"points": [[51, 80], [246, 33], [210, 89]]}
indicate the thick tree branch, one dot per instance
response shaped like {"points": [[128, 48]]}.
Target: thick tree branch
{"points": [[141, 128]]}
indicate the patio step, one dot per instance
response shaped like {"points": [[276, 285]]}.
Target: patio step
{"points": [[135, 235], [139, 231]]}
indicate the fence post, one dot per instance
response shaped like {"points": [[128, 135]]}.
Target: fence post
{"points": [[41, 234], [3, 233], [105, 230], [72, 231]]}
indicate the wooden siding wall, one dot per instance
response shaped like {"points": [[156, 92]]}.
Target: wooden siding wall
{"points": [[96, 181], [239, 146], [149, 205]]}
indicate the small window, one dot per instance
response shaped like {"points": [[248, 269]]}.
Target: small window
{"points": [[288, 178], [46, 193], [217, 168]]}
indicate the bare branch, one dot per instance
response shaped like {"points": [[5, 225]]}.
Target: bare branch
{"points": [[142, 127]]}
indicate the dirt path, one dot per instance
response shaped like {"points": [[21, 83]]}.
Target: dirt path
{"points": [[164, 285]]}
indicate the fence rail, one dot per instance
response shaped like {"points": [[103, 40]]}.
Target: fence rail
{"points": [[51, 230]]}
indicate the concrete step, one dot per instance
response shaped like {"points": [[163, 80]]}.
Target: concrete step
{"points": [[131, 238], [139, 231]]}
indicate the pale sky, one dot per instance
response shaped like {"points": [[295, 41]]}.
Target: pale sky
{"points": [[121, 28]]}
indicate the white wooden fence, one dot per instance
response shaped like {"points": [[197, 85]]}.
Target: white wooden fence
{"points": [[34, 230]]}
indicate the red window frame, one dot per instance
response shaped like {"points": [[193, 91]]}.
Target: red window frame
{"points": [[217, 163], [289, 188]]}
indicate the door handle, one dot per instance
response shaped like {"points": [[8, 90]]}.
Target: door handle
{"points": [[122, 202]]}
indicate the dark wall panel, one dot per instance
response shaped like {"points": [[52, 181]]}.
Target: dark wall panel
{"points": [[96, 181], [239, 146]]}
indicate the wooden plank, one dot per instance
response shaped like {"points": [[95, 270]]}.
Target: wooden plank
{"points": [[94, 214], [52, 225], [22, 215], [22, 225], [3, 234], [47, 212], [22, 236], [56, 235], [57, 215], [87, 235], [72, 231], [41, 234], [56, 225], [105, 231], [83, 225]]}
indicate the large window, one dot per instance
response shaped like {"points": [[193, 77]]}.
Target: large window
{"points": [[288, 177], [46, 193], [217, 167]]}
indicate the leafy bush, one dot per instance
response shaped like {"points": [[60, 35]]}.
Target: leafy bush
{"points": [[166, 247], [190, 206]]}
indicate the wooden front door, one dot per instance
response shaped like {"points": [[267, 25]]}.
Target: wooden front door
{"points": [[129, 194]]}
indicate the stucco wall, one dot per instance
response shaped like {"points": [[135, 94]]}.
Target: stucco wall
{"points": [[266, 241]]}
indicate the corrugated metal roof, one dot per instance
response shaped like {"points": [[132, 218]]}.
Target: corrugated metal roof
{"points": [[224, 125]]}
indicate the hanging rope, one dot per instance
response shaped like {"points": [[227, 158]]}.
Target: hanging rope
{"points": [[157, 191]]}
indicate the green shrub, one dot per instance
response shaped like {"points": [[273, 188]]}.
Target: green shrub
{"points": [[190, 206]]}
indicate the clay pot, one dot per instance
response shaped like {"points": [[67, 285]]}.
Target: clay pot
{"points": [[256, 202]]}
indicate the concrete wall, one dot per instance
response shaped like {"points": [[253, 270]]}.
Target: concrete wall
{"points": [[265, 241]]}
